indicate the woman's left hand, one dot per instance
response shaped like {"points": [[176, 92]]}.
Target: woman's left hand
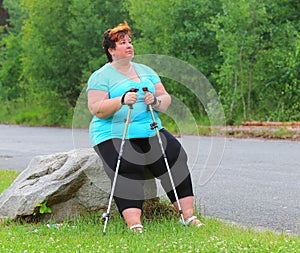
{"points": [[149, 98]]}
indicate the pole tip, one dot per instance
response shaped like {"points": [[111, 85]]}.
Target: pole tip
{"points": [[103, 233]]}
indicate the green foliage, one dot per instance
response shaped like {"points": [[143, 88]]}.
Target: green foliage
{"points": [[10, 70], [10, 54], [258, 74], [16, 15], [248, 50], [59, 46], [43, 208], [177, 28], [238, 31], [279, 64], [50, 58]]}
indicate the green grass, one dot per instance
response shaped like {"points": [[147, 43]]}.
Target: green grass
{"points": [[161, 234], [6, 178]]}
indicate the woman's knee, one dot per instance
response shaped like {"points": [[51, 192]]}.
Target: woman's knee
{"points": [[174, 150]]}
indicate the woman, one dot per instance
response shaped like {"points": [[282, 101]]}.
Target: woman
{"points": [[111, 90]]}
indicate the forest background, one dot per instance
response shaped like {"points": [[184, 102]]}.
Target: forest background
{"points": [[248, 50]]}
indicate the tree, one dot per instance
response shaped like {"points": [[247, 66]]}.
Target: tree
{"points": [[238, 31], [178, 29], [249, 51], [3, 17], [62, 46], [279, 62], [10, 48]]}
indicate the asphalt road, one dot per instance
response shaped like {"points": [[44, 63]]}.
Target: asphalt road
{"points": [[251, 182]]}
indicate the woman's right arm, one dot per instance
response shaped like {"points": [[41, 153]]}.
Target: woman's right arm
{"points": [[101, 105]]}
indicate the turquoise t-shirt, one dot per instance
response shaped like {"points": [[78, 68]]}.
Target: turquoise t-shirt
{"points": [[109, 79]]}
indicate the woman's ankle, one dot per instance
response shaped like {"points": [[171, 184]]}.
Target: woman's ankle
{"points": [[132, 216]]}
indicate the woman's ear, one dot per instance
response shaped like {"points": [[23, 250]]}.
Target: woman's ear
{"points": [[110, 50]]}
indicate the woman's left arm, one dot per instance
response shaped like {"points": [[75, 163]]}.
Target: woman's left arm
{"points": [[163, 99]]}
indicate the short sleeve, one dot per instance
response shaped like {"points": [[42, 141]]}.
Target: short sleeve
{"points": [[148, 73], [154, 76], [97, 81]]}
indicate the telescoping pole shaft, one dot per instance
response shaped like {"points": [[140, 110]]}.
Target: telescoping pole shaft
{"points": [[154, 125], [106, 215]]}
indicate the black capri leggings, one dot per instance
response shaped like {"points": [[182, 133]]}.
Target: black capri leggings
{"points": [[140, 156]]}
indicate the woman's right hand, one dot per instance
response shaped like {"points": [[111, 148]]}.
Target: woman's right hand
{"points": [[130, 98]]}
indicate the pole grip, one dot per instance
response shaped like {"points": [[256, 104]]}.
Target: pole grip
{"points": [[132, 90]]}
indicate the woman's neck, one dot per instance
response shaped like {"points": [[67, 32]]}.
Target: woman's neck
{"points": [[122, 66], [126, 69]]}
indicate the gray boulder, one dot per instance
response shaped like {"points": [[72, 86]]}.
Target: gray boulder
{"points": [[71, 183]]}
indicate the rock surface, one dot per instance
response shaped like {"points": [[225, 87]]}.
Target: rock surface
{"points": [[70, 183]]}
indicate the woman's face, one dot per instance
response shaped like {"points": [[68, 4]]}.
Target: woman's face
{"points": [[123, 50]]}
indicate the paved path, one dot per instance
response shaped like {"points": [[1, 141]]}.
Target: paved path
{"points": [[257, 182]]}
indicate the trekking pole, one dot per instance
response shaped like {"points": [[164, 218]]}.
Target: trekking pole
{"points": [[106, 215], [154, 126]]}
